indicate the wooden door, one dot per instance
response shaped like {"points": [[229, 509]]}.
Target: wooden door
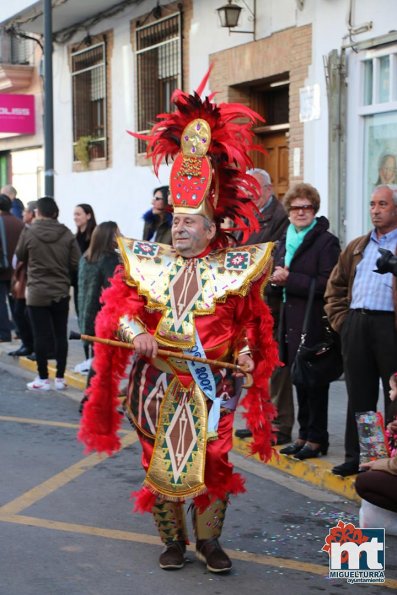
{"points": [[275, 162]]}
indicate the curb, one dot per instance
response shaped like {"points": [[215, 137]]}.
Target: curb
{"points": [[316, 471]]}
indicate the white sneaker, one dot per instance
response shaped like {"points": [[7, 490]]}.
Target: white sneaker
{"points": [[39, 384], [84, 367], [60, 384]]}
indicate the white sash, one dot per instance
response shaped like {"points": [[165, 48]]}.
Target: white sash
{"points": [[204, 378]]}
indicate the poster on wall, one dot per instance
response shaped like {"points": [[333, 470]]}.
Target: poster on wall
{"points": [[380, 154]]}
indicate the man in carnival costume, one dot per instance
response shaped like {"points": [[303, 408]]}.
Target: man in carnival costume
{"points": [[196, 297]]}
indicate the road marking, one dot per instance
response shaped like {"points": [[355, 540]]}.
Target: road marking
{"points": [[60, 479], [38, 422], [118, 534], [46, 422]]}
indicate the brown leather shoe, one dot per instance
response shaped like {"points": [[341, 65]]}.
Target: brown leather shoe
{"points": [[173, 557], [210, 552]]}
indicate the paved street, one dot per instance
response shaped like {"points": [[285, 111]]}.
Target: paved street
{"points": [[67, 527]]}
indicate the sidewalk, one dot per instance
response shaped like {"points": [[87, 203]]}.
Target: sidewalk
{"points": [[315, 471]]}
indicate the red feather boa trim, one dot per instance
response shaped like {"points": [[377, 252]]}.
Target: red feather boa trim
{"points": [[101, 420], [145, 499], [259, 410]]}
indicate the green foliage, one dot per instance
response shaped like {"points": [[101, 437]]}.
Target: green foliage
{"points": [[82, 150]]}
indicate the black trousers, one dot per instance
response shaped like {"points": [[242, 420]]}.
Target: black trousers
{"points": [[22, 321], [50, 323], [313, 413], [379, 488], [369, 346]]}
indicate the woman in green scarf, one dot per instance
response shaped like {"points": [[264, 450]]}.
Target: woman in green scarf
{"points": [[308, 251]]}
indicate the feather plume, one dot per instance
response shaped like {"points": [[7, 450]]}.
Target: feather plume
{"points": [[229, 151]]}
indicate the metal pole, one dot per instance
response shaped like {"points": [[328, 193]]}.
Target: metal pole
{"points": [[48, 103]]}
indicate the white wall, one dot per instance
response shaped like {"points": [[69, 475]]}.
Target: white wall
{"points": [[123, 191]]}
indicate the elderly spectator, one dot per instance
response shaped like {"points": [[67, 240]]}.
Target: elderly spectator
{"points": [[307, 253], [16, 204], [362, 308], [273, 222]]}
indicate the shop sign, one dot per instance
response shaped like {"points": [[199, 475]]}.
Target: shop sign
{"points": [[17, 114]]}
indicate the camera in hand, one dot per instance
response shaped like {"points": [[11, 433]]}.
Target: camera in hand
{"points": [[386, 263]]}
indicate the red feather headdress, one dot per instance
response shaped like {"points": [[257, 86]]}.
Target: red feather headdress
{"points": [[209, 145]]}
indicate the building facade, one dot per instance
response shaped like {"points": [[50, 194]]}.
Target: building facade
{"points": [[322, 73]]}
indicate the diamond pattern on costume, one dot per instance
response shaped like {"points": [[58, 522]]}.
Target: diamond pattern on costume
{"points": [[185, 289], [238, 261], [181, 438], [153, 400]]}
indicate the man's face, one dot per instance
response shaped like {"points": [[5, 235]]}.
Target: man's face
{"points": [[191, 235], [266, 192], [28, 216], [383, 211]]}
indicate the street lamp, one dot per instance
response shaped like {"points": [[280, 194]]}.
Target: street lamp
{"points": [[229, 15]]}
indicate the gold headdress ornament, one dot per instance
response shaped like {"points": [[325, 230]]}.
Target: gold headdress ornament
{"points": [[209, 145]]}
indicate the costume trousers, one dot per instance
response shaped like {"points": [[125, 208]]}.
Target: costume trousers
{"points": [[379, 488], [313, 413], [50, 323], [369, 347], [22, 321], [5, 323], [282, 399]]}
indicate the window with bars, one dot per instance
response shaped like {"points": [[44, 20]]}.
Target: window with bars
{"points": [[159, 69], [89, 103], [15, 50]]}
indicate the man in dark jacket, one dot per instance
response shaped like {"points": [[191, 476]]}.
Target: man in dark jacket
{"points": [[11, 228], [52, 254], [273, 221]]}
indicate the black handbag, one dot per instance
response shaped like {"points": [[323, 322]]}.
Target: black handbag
{"points": [[321, 363]]}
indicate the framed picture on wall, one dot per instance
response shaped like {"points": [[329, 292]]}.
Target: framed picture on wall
{"points": [[380, 154]]}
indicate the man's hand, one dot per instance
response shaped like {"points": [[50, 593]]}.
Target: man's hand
{"points": [[245, 361], [145, 345]]}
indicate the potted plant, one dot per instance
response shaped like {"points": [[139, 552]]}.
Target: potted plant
{"points": [[82, 150]]}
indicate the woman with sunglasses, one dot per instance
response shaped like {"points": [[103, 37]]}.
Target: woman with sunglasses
{"points": [[307, 251], [158, 220]]}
